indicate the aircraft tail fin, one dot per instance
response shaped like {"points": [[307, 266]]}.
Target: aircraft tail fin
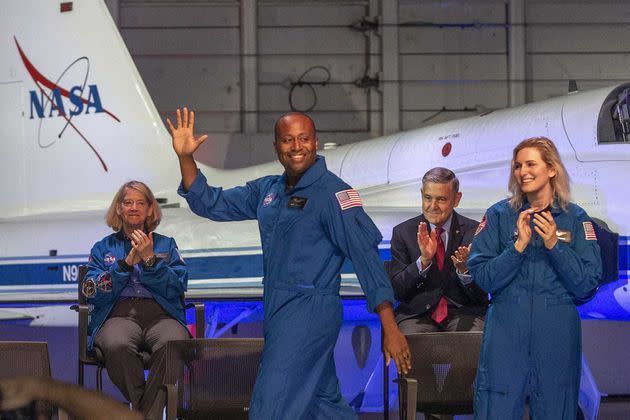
{"points": [[78, 121]]}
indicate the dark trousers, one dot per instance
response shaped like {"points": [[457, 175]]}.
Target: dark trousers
{"points": [[134, 327]]}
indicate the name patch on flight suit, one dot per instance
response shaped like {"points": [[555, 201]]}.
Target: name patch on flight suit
{"points": [[297, 202], [563, 235]]}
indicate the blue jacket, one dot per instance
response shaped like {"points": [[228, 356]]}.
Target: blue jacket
{"points": [[166, 280]]}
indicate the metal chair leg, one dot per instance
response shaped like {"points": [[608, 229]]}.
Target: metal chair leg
{"points": [[171, 401], [81, 373], [385, 383], [99, 379], [407, 398]]}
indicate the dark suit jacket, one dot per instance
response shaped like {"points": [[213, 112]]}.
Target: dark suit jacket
{"points": [[418, 295]]}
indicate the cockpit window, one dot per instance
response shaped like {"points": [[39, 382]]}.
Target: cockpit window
{"points": [[613, 125]]}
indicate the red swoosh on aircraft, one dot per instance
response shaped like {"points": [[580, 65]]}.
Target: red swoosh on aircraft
{"points": [[38, 78]]}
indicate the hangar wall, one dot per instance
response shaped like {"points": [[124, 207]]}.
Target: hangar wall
{"points": [[387, 65]]}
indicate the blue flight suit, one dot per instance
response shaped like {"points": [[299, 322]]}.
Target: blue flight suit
{"points": [[305, 237], [532, 337]]}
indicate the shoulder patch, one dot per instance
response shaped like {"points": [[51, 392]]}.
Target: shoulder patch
{"points": [[348, 199], [104, 282], [89, 288], [589, 231], [482, 225]]}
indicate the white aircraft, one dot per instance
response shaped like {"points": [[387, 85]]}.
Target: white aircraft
{"points": [[78, 122]]}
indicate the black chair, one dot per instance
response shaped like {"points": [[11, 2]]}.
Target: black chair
{"points": [[441, 380], [94, 357], [22, 358], [211, 378]]}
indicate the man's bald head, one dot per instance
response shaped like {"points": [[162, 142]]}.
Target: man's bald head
{"points": [[291, 115]]}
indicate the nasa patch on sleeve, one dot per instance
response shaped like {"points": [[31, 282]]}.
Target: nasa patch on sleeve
{"points": [[482, 225]]}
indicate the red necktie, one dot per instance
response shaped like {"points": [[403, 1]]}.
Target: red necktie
{"points": [[441, 310], [440, 252]]}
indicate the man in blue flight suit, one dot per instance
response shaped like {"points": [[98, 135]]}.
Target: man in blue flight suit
{"points": [[309, 222]]}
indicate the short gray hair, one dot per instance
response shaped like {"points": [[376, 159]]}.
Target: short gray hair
{"points": [[439, 175]]}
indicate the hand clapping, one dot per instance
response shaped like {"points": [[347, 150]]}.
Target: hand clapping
{"points": [[427, 242], [459, 258], [545, 226], [142, 243]]}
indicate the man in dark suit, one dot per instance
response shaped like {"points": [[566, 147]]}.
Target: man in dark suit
{"points": [[428, 268]]}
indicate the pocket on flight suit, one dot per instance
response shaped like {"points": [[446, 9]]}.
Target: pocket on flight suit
{"points": [[301, 230], [491, 400]]}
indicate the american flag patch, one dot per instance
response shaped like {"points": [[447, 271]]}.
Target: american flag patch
{"points": [[348, 199], [589, 231]]}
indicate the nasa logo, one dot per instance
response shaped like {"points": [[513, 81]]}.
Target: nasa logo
{"points": [[38, 103], [51, 94], [268, 199], [109, 259]]}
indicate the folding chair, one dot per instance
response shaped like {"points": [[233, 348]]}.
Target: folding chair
{"points": [[211, 378], [94, 357], [441, 380], [27, 358]]}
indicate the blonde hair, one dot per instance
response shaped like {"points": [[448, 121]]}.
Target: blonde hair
{"points": [[549, 154], [114, 221]]}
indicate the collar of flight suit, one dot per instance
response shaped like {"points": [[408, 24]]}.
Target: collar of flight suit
{"points": [[312, 174], [555, 208]]}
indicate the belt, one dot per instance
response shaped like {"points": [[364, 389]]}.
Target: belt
{"points": [[303, 288]]}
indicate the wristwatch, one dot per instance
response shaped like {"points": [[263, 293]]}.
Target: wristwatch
{"points": [[150, 262]]}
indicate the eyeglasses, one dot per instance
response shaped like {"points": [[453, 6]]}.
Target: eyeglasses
{"points": [[138, 203]]}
